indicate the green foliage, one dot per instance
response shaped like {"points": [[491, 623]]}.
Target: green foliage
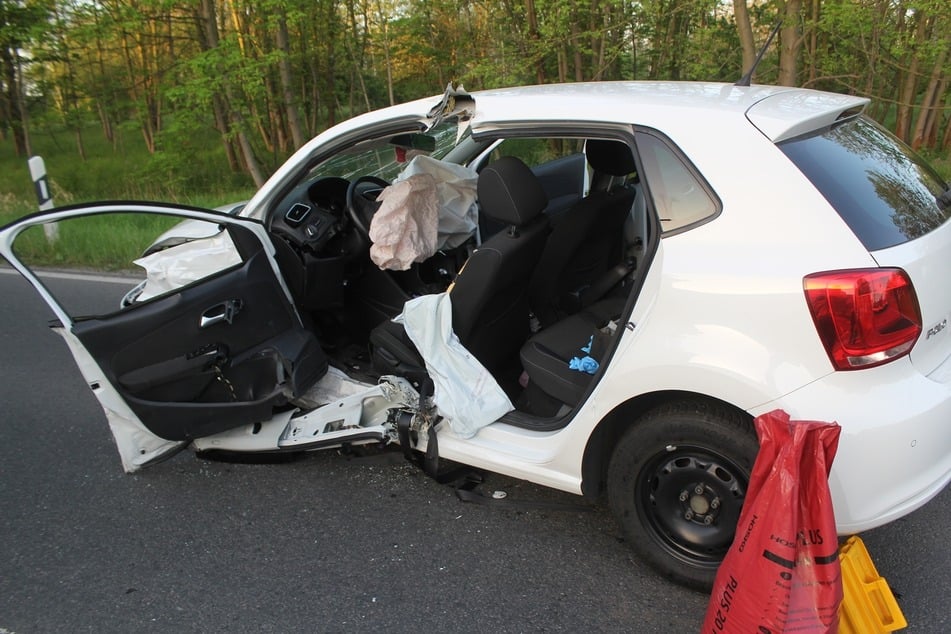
{"points": [[137, 84], [175, 173]]}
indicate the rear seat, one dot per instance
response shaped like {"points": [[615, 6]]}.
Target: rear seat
{"points": [[552, 384], [578, 264], [577, 289]]}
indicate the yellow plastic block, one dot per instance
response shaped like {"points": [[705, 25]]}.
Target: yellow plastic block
{"points": [[868, 605]]}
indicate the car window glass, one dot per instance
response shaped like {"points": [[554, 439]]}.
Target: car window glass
{"points": [[537, 151], [679, 197], [879, 187], [138, 255], [386, 157]]}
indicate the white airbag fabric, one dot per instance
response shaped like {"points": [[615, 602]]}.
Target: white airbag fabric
{"points": [[430, 206], [404, 229], [185, 263], [466, 395]]}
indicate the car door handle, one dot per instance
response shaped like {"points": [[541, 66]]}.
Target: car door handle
{"points": [[225, 311]]}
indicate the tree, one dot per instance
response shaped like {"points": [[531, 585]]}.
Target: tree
{"points": [[265, 74], [20, 23]]}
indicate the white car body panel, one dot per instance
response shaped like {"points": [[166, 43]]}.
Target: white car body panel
{"points": [[922, 259], [893, 451], [814, 110], [137, 446]]}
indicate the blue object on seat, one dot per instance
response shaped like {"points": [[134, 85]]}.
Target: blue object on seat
{"points": [[584, 364], [587, 348]]}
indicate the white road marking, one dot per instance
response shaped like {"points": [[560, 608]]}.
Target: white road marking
{"points": [[82, 277]]}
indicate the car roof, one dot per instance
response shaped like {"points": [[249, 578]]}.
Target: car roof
{"points": [[778, 111]]}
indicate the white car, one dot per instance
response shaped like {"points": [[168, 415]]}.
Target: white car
{"points": [[647, 267]]}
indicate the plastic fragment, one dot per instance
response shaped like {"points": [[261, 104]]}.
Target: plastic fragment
{"points": [[587, 348]]}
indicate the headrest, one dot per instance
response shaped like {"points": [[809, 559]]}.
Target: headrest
{"points": [[510, 193], [610, 157]]}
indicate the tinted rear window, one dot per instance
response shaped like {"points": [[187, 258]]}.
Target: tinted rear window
{"points": [[883, 191]]}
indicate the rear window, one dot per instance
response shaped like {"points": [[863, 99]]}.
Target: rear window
{"points": [[883, 190]]}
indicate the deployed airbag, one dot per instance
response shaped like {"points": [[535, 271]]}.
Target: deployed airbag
{"points": [[404, 229], [185, 263], [431, 206], [466, 394]]}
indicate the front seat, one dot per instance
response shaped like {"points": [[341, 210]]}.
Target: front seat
{"points": [[586, 240], [490, 309]]}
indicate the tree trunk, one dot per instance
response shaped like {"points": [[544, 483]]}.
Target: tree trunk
{"points": [[224, 129], [934, 123], [250, 160], [105, 112], [208, 38], [104, 121], [946, 141], [576, 45], [814, 42], [931, 102], [80, 146], [597, 41], [909, 84], [384, 30], [8, 60], [532, 18], [790, 44], [284, 68], [745, 30]]}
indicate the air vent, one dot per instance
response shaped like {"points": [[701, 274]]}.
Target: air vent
{"points": [[296, 214]]}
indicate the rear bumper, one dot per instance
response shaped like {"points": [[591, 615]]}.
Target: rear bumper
{"points": [[895, 447]]}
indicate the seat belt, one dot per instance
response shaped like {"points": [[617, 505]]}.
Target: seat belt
{"points": [[592, 293]]}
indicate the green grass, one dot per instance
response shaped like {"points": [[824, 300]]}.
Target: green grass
{"points": [[105, 242], [197, 176]]}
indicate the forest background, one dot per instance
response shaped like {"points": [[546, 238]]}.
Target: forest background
{"points": [[199, 101]]}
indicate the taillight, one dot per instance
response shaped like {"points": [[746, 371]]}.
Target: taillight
{"points": [[865, 317]]}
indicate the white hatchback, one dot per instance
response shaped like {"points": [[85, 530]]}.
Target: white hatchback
{"points": [[600, 286]]}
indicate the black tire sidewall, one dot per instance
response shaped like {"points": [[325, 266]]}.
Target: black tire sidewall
{"points": [[720, 430]]}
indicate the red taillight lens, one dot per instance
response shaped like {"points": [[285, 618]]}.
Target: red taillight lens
{"points": [[864, 317]]}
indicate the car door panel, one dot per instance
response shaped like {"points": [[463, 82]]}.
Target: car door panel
{"points": [[189, 366], [212, 355]]}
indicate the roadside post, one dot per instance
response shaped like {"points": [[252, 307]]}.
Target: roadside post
{"points": [[43, 194]]}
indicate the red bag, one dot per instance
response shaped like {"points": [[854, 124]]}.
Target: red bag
{"points": [[782, 572]]}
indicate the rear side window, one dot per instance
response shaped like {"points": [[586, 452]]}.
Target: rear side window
{"points": [[681, 198], [882, 190]]}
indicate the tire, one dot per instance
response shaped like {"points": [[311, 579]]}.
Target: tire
{"points": [[677, 481]]}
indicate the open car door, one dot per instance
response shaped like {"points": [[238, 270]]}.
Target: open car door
{"points": [[198, 357]]}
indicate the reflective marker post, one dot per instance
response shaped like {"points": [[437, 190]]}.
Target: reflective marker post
{"points": [[43, 194]]}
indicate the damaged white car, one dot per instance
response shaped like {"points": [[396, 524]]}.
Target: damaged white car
{"points": [[594, 287]]}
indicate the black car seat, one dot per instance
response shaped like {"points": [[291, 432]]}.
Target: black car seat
{"points": [[546, 357], [586, 240], [490, 309]]}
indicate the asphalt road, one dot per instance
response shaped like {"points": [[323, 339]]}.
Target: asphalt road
{"points": [[328, 543]]}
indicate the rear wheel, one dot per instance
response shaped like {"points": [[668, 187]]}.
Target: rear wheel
{"points": [[677, 481]]}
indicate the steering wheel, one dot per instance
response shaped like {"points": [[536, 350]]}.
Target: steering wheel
{"points": [[362, 204]]}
